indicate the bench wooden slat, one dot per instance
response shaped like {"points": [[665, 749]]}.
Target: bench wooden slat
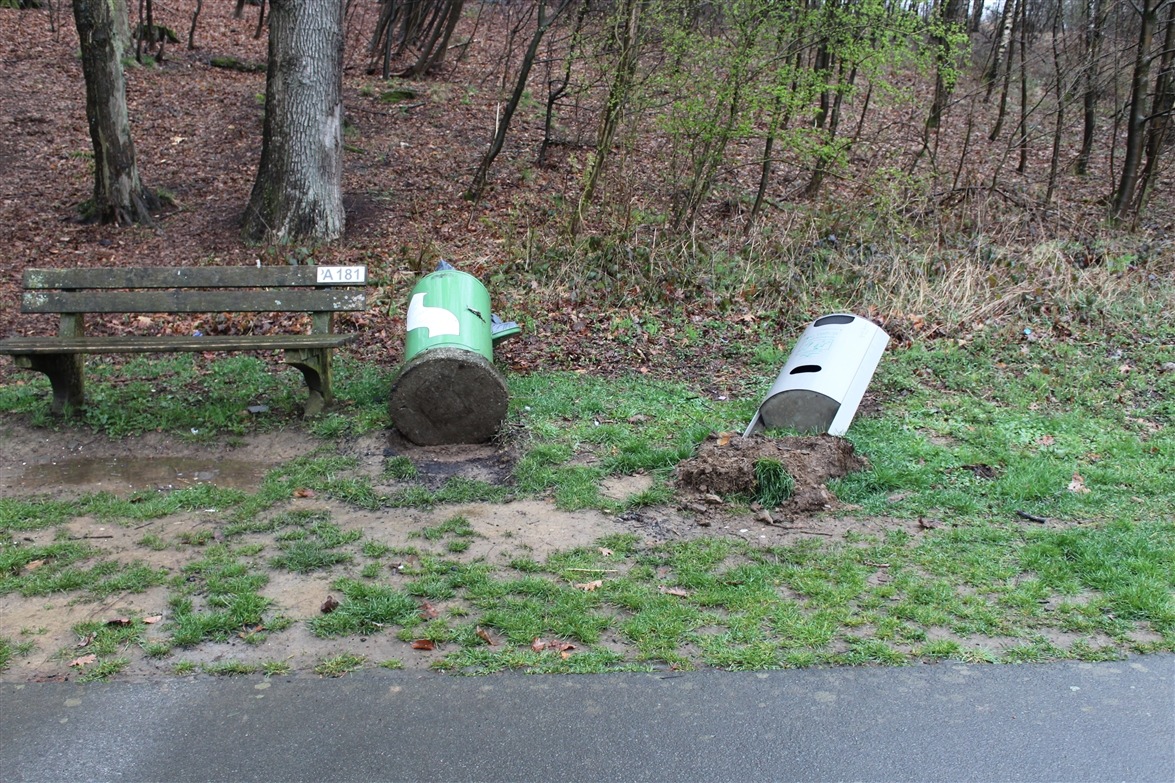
{"points": [[73, 293], [44, 346], [181, 277], [194, 301]]}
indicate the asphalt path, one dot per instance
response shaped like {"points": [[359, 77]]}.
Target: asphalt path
{"points": [[938, 722]]}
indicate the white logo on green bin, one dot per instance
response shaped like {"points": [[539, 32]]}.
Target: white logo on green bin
{"points": [[438, 320]]}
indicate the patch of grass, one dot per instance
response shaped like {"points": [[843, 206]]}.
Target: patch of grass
{"points": [[274, 668], [153, 542], [488, 660], [315, 548], [454, 526], [230, 594], [338, 665], [103, 670], [10, 650], [228, 668], [56, 568], [365, 609], [399, 468], [773, 484], [455, 490]]}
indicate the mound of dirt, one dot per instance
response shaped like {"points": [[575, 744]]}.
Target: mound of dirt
{"points": [[725, 465]]}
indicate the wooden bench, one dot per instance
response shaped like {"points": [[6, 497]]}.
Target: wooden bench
{"points": [[73, 293]]}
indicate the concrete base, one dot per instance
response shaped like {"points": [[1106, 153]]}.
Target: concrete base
{"points": [[448, 395]]}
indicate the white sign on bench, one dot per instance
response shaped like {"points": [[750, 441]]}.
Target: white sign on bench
{"points": [[346, 275]]}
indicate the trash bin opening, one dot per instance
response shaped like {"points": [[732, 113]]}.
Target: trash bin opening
{"points": [[805, 368], [830, 320]]}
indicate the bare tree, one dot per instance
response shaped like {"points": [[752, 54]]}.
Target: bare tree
{"points": [[1136, 124], [421, 26], [1091, 41]]}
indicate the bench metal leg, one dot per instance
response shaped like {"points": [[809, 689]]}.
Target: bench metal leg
{"points": [[315, 366], [66, 374]]}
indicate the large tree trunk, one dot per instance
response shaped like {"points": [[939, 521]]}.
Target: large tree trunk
{"points": [[119, 195], [298, 194]]}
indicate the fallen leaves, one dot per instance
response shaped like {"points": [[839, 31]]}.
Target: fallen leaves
{"points": [[428, 611], [303, 493], [1077, 485], [84, 660], [563, 648], [590, 586], [605, 551], [677, 591], [329, 605], [484, 635], [423, 644]]}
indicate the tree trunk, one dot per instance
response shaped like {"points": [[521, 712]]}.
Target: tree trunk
{"points": [[1022, 125], [1162, 107], [628, 42], [1136, 123], [119, 195], [481, 176], [1092, 43], [1003, 42], [953, 12], [298, 194], [1059, 92]]}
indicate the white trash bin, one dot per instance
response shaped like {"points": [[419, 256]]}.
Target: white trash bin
{"points": [[825, 377]]}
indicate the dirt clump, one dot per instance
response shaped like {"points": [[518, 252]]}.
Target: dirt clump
{"points": [[725, 465]]}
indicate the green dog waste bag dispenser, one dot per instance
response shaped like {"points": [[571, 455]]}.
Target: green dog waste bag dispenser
{"points": [[448, 390]]}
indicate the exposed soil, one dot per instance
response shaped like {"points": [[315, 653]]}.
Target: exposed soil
{"points": [[66, 463]]}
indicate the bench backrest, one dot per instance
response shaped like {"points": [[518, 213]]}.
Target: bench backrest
{"points": [[304, 289]]}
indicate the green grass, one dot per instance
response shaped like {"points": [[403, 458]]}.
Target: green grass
{"points": [[338, 665], [976, 437], [204, 397]]}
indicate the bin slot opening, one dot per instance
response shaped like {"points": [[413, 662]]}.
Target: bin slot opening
{"points": [[830, 320], [805, 368]]}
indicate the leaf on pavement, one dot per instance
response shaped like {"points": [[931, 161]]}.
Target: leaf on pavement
{"points": [[424, 644]]}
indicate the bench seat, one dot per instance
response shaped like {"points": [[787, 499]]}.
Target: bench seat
{"points": [[320, 292]]}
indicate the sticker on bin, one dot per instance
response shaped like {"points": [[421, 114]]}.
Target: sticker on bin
{"points": [[344, 275]]}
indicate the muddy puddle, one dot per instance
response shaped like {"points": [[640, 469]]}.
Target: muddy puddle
{"points": [[124, 475]]}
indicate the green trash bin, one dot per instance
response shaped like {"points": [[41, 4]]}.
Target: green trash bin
{"points": [[448, 390], [451, 309]]}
